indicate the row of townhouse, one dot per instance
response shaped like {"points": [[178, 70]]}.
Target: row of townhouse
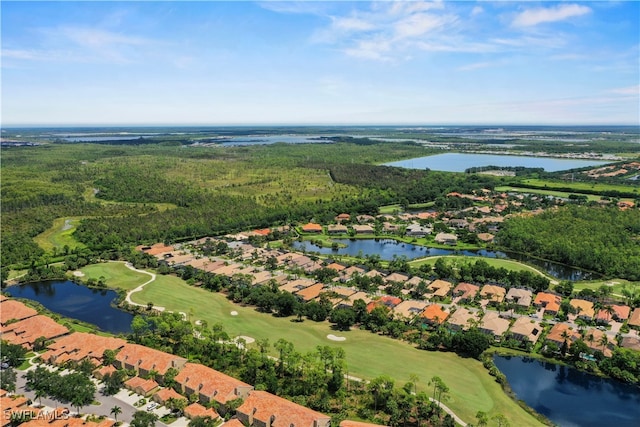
{"points": [[258, 408]]}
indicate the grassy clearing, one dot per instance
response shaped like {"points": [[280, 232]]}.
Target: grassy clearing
{"points": [[390, 209], [368, 355], [116, 275], [59, 235], [583, 186], [553, 193], [616, 284], [14, 274]]}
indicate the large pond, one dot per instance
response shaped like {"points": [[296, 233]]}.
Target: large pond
{"points": [[571, 398], [77, 302], [388, 248], [458, 162]]}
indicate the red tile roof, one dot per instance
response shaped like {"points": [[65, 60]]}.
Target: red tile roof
{"points": [[263, 406], [80, 345], [550, 302], [197, 410], [311, 227], [434, 314], [14, 310], [167, 393], [148, 359], [26, 331], [195, 378], [140, 384]]}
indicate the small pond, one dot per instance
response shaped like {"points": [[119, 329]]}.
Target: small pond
{"points": [[571, 398], [458, 162], [388, 248], [77, 302]]}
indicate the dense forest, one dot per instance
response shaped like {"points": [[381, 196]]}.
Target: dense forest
{"points": [[606, 240]]}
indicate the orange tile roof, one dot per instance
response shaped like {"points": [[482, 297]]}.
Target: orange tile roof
{"points": [[158, 248], [80, 345], [197, 410], [435, 314], [311, 292], [12, 309], [335, 266], [583, 307], [386, 301], [265, 406], [143, 385], [556, 331], [234, 422], [167, 393], [634, 319], [148, 358], [311, 227], [549, 301], [26, 331], [211, 383]]}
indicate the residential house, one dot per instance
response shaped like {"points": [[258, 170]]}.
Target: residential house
{"points": [[312, 228], [409, 309], [104, 370], [355, 297], [634, 319], [387, 301], [446, 239], [389, 227], [550, 302], [617, 312], [197, 410], [363, 229], [80, 345], [262, 409], [465, 291], [362, 219], [417, 230], [434, 315], [343, 217], [584, 309], [14, 310], [296, 285], [486, 237], [162, 396], [521, 297], [462, 319], [311, 292], [336, 267], [458, 223], [144, 360], [493, 293], [210, 385], [439, 289], [493, 324], [561, 332], [337, 229], [396, 277], [630, 342], [525, 328], [25, 332], [141, 386], [597, 340]]}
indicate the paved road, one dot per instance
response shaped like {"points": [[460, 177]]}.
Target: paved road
{"points": [[103, 406]]}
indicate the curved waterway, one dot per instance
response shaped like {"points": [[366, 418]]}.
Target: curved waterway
{"points": [[388, 248], [571, 398], [77, 302]]}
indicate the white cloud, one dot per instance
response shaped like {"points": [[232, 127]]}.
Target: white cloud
{"points": [[477, 66], [533, 17], [629, 90], [352, 24], [100, 38], [419, 24], [477, 10]]}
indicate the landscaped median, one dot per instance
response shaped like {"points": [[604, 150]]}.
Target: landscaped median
{"points": [[368, 355]]}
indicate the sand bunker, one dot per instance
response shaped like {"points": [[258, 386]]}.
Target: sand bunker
{"points": [[234, 313], [336, 338], [78, 273], [246, 339]]}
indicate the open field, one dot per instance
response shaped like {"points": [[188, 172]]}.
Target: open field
{"points": [[582, 186], [59, 235], [368, 355], [116, 275]]}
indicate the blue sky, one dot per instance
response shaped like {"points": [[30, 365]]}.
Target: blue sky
{"points": [[313, 62]]}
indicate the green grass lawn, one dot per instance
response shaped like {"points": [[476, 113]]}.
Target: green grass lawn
{"points": [[59, 235], [584, 186], [368, 355], [116, 275]]}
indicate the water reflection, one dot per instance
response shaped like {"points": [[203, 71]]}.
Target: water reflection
{"points": [[569, 397], [77, 302]]}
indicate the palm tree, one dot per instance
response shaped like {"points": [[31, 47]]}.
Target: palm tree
{"points": [[603, 341], [40, 393], [115, 411]]}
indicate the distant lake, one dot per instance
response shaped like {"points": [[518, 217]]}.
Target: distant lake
{"points": [[271, 139], [77, 302], [388, 248], [571, 398], [458, 162]]}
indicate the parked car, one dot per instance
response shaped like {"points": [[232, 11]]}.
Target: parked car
{"points": [[151, 406]]}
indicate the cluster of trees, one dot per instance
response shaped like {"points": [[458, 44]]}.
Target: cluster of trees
{"points": [[316, 379], [75, 388], [604, 240], [480, 271]]}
